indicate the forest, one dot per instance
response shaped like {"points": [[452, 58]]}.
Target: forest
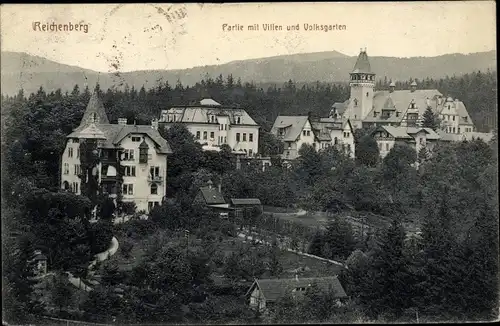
{"points": [[448, 272]]}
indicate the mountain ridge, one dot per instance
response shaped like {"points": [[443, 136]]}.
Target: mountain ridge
{"points": [[22, 70]]}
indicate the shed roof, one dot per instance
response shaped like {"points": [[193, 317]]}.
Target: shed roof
{"points": [[273, 289], [212, 196], [293, 124], [245, 201]]}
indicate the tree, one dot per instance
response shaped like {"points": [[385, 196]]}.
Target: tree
{"points": [[367, 152], [60, 293], [430, 120], [275, 267], [269, 145], [340, 239], [392, 283]]}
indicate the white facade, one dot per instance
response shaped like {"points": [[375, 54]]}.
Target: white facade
{"points": [[136, 153], [214, 125], [295, 131]]}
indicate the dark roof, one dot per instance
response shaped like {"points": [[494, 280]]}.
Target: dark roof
{"points": [[114, 134], [273, 289], [94, 106], [40, 257], [245, 201], [212, 196], [362, 64]]}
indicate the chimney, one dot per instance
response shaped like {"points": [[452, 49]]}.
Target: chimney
{"points": [[122, 121], [220, 187], [154, 124]]}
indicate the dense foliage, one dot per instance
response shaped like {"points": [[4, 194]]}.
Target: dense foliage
{"points": [[448, 271]]}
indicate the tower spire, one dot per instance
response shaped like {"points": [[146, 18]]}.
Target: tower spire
{"points": [[95, 112]]}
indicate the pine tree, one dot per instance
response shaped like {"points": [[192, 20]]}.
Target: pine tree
{"points": [[430, 120], [389, 289]]}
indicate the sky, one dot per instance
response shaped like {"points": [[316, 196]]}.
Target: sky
{"points": [[132, 37]]}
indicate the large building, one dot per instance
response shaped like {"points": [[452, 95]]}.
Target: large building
{"points": [[213, 125], [119, 158], [294, 131], [399, 108]]}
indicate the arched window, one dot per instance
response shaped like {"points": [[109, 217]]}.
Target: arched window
{"points": [[154, 189], [367, 94], [65, 185]]}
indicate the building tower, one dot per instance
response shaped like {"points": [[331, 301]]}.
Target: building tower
{"points": [[362, 83]]}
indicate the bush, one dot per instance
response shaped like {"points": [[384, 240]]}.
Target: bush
{"points": [[126, 248], [129, 208]]}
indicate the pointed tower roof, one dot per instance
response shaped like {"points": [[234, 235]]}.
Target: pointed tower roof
{"points": [[392, 84], [362, 64], [94, 113]]}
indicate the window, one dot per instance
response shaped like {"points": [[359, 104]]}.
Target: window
{"points": [[458, 129], [453, 118], [128, 189], [66, 168], [128, 155], [225, 127], [136, 139], [336, 141], [212, 135], [70, 152], [225, 140], [397, 114], [154, 189], [303, 132], [76, 140], [205, 135], [153, 204], [154, 171], [74, 187], [250, 137], [244, 137], [197, 135], [348, 147], [238, 121], [77, 169], [93, 117], [78, 153], [386, 147], [237, 136], [421, 139], [250, 152], [355, 102], [453, 129], [308, 132], [174, 118], [143, 155], [367, 94], [130, 171], [380, 146]]}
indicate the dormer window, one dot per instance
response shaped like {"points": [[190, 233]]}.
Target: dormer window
{"points": [[238, 121]]}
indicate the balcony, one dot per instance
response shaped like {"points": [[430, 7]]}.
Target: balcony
{"points": [[155, 178]]}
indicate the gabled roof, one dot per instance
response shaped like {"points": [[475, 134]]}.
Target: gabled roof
{"points": [[209, 102], [212, 196], [362, 64], [245, 201], [401, 100], [396, 132], [430, 134], [115, 133], [274, 289], [340, 107], [94, 106], [294, 125]]}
